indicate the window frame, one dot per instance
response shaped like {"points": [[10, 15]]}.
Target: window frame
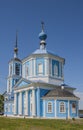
{"points": [[49, 105], [62, 106], [40, 68], [55, 70], [17, 69]]}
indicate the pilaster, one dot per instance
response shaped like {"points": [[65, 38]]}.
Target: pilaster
{"points": [[33, 103], [20, 103], [26, 94], [15, 103]]}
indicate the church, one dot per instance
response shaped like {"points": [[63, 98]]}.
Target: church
{"points": [[36, 88]]}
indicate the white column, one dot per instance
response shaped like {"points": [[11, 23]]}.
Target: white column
{"points": [[34, 67], [33, 103], [15, 103], [46, 66], [68, 109], [77, 108], [55, 108], [31, 67], [20, 103], [26, 98], [44, 109]]}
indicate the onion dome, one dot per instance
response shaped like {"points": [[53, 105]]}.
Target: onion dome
{"points": [[42, 35]]}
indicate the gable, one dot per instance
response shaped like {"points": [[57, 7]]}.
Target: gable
{"points": [[22, 83]]}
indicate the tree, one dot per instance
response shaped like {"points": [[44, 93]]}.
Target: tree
{"points": [[1, 103]]}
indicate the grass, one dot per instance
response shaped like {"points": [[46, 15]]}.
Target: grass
{"points": [[7, 123]]}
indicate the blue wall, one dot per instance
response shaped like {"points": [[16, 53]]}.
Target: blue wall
{"points": [[59, 114]]}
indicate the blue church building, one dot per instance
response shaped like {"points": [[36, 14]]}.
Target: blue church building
{"points": [[36, 88]]}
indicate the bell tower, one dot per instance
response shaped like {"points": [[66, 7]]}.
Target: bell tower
{"points": [[15, 69]]}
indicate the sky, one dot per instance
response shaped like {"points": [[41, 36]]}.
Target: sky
{"points": [[64, 28]]}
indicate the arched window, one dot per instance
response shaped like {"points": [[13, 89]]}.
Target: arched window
{"points": [[40, 68], [49, 107], [62, 107], [73, 107]]}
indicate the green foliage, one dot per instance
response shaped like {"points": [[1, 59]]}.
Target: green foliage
{"points": [[1, 103], [39, 124], [73, 119]]}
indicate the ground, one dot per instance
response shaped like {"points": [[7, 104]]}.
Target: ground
{"points": [[7, 123]]}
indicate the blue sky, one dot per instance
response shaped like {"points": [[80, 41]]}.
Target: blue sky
{"points": [[64, 27]]}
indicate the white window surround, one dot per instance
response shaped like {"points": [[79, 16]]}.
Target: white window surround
{"points": [[49, 107], [40, 68], [55, 70], [62, 107]]}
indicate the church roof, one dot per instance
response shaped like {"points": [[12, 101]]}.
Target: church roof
{"points": [[16, 59], [59, 93]]}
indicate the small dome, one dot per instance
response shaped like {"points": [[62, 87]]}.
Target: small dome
{"points": [[42, 36]]}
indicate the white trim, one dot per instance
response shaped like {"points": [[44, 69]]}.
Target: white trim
{"points": [[44, 109], [33, 103], [23, 89], [68, 109], [20, 103], [26, 112], [55, 108], [34, 64], [15, 103], [64, 107], [51, 107]]}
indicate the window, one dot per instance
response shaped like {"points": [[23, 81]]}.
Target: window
{"points": [[17, 69], [62, 107], [55, 70], [40, 68], [49, 107], [73, 107]]}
